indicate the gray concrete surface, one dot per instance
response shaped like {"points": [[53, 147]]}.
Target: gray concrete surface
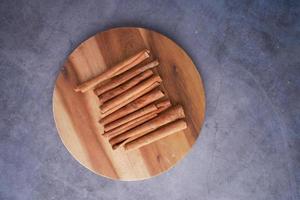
{"points": [[248, 53]]}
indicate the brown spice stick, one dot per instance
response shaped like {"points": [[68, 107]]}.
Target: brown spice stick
{"points": [[171, 114], [130, 95], [125, 86], [122, 78], [158, 134], [156, 107], [115, 70], [161, 107], [129, 125], [143, 111], [133, 106], [130, 100]]}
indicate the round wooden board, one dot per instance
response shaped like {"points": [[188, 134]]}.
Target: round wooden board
{"points": [[77, 114]]}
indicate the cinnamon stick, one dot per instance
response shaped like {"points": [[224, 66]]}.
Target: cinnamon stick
{"points": [[115, 70], [161, 107], [112, 129], [130, 95], [143, 111], [125, 86], [171, 114], [133, 106], [158, 134], [156, 107], [122, 78], [129, 125]]}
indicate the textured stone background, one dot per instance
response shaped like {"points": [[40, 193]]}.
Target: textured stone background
{"points": [[248, 53]]}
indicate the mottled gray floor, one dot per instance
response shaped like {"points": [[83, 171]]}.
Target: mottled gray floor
{"points": [[248, 53]]}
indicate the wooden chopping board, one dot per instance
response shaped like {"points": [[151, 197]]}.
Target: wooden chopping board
{"points": [[77, 114]]}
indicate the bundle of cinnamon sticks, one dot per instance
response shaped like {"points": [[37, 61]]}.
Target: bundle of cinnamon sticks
{"points": [[134, 109]]}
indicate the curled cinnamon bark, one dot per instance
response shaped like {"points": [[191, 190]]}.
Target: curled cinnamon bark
{"points": [[162, 106], [143, 111], [125, 86], [158, 134], [129, 125], [133, 106], [122, 78], [156, 107], [137, 121], [115, 70], [171, 114], [130, 95]]}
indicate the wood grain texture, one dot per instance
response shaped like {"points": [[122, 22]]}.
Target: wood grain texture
{"points": [[77, 114]]}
